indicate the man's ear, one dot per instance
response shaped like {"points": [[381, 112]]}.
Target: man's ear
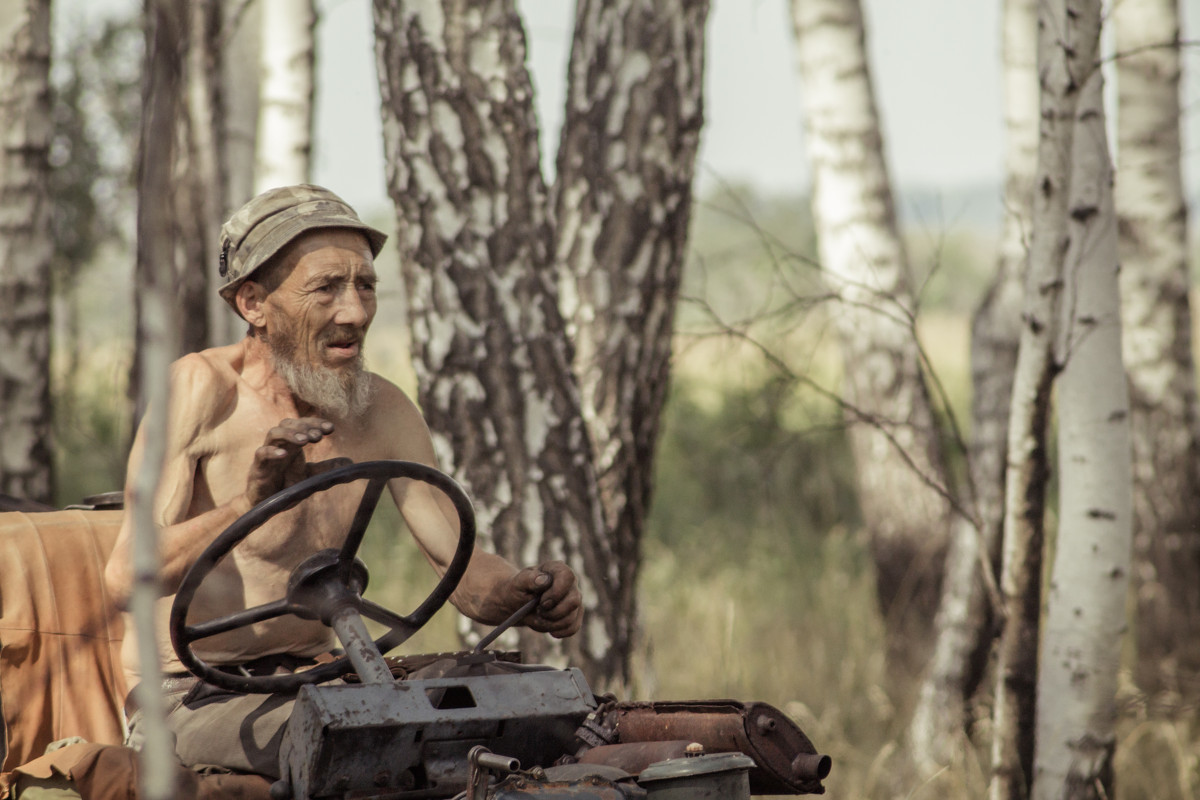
{"points": [[249, 300]]}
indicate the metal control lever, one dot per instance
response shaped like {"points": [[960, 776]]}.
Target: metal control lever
{"points": [[518, 615], [481, 762]]}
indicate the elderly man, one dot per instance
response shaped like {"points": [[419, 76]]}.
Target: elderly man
{"points": [[247, 420]]}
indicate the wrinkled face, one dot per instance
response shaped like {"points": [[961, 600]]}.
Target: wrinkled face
{"points": [[317, 317]]}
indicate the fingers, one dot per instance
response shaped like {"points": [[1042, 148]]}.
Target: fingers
{"points": [[560, 610], [293, 434], [279, 462]]}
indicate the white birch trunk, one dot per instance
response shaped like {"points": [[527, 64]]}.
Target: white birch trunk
{"points": [[1085, 614], [1157, 318], [1068, 34], [966, 617], [896, 448], [25, 250], [286, 104], [241, 71], [240, 82]]}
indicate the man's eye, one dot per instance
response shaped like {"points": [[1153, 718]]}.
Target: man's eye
{"points": [[367, 286]]}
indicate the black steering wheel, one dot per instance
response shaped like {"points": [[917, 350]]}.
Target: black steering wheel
{"points": [[325, 583]]}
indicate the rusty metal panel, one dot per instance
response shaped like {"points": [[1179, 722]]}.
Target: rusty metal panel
{"points": [[415, 734]]}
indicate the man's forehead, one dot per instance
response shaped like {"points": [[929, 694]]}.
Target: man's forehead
{"points": [[329, 247], [326, 265]]}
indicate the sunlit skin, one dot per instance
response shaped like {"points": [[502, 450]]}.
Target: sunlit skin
{"points": [[237, 434]]}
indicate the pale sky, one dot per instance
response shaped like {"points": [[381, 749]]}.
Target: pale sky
{"points": [[944, 124], [935, 64]]}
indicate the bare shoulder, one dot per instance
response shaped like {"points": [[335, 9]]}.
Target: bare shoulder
{"points": [[397, 422], [203, 386], [392, 405]]}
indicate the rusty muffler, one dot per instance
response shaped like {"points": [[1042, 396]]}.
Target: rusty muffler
{"points": [[785, 760]]}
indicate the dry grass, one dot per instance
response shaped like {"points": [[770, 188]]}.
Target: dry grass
{"points": [[766, 612]]}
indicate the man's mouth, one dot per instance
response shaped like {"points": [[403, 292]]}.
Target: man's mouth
{"points": [[347, 347]]}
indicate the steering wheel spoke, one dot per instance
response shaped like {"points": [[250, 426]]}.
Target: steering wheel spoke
{"points": [[402, 627], [362, 518], [328, 580], [241, 619]]}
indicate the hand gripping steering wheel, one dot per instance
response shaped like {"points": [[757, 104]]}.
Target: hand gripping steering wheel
{"points": [[326, 584]]}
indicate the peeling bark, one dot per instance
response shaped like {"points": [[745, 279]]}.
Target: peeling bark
{"points": [[1068, 33], [489, 345], [487, 249], [25, 250], [622, 204], [896, 447], [1153, 218]]}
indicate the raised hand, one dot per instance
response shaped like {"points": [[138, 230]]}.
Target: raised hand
{"points": [[280, 462]]}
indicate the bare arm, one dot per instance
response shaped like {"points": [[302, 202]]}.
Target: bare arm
{"points": [[492, 588]]}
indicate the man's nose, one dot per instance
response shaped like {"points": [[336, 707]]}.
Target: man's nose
{"points": [[352, 309]]}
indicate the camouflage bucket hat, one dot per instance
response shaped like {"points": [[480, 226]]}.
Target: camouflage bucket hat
{"points": [[261, 228]]}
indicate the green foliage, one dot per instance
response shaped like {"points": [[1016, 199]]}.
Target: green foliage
{"points": [[758, 460], [751, 257], [95, 107], [91, 433]]}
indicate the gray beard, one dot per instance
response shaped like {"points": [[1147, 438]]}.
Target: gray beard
{"points": [[343, 396]]}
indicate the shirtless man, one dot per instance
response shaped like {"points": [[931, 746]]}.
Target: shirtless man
{"points": [[290, 399]]}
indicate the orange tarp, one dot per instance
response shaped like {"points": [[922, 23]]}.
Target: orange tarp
{"points": [[60, 636]]}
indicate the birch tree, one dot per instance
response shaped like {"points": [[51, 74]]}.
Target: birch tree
{"points": [[285, 119], [967, 616], [197, 200], [241, 48], [478, 237], [1085, 613], [266, 54], [26, 250], [1068, 31], [1153, 223], [490, 351], [196, 203], [622, 203], [898, 459], [200, 207]]}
